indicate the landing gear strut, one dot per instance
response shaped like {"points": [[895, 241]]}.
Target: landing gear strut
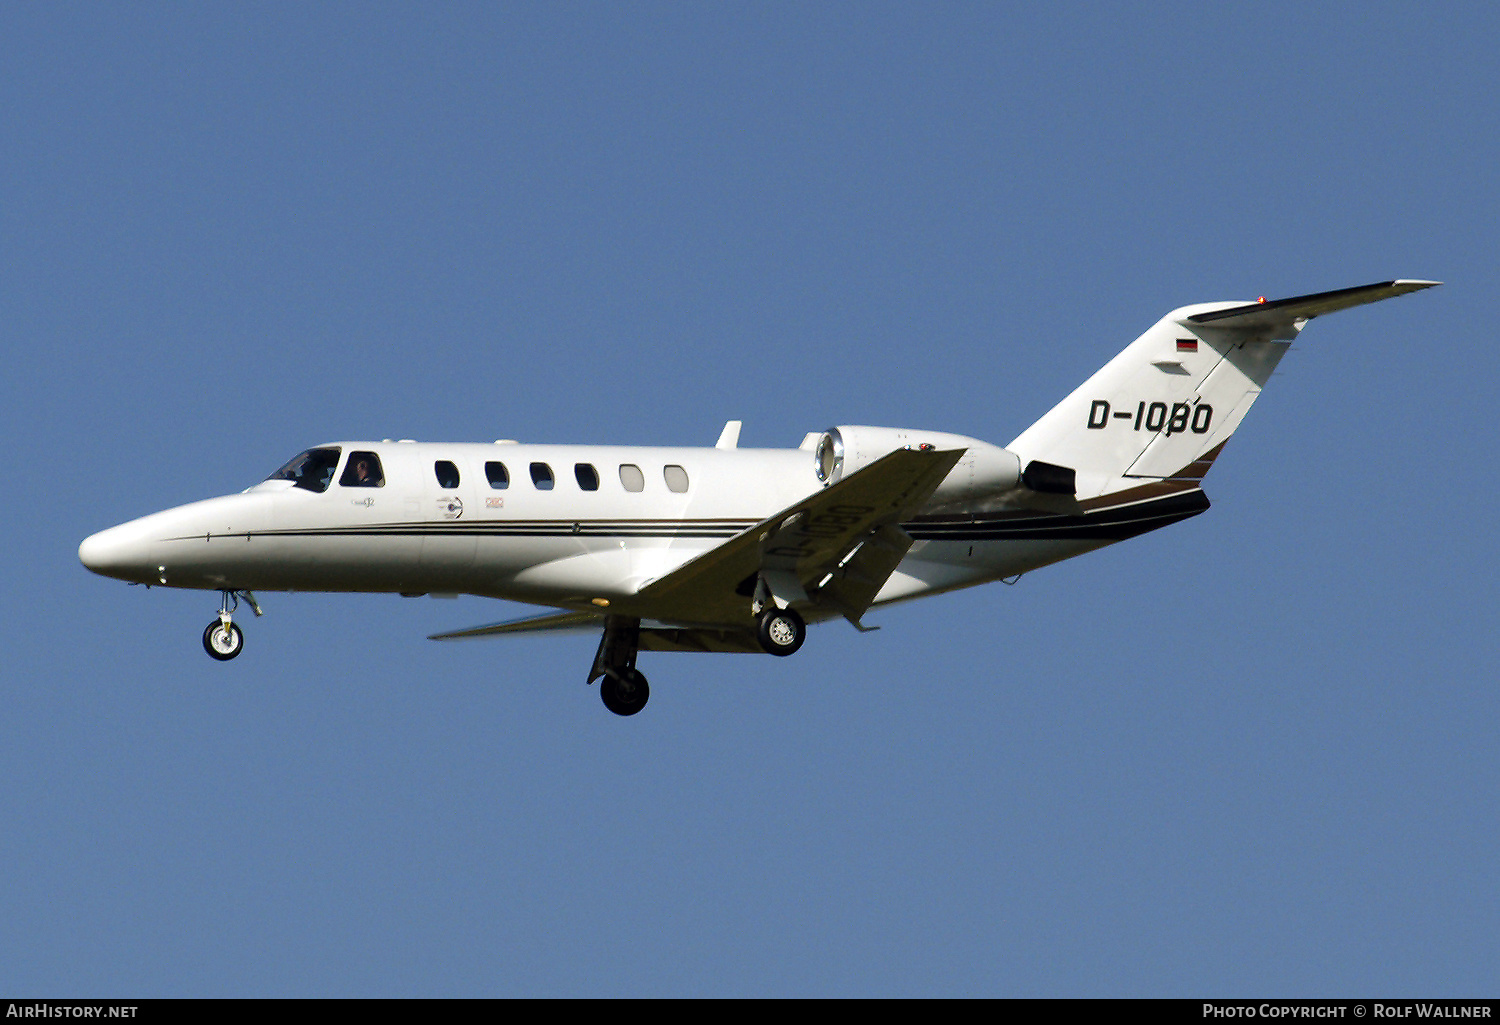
{"points": [[622, 686], [221, 638]]}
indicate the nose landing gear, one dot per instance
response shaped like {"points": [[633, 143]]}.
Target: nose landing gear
{"points": [[221, 638]]}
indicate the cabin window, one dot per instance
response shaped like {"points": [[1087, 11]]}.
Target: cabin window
{"points": [[498, 475], [677, 479], [311, 470], [588, 477], [541, 476], [362, 471], [446, 473], [632, 477]]}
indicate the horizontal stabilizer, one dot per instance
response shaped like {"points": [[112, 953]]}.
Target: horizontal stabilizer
{"points": [[1267, 314]]}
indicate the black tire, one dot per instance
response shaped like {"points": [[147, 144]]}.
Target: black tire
{"points": [[781, 631], [223, 644], [625, 694]]}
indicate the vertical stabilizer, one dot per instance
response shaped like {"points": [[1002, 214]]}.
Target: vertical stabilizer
{"points": [[1163, 408]]}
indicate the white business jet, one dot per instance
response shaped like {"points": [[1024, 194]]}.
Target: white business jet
{"points": [[730, 549]]}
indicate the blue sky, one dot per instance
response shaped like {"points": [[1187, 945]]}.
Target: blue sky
{"points": [[1250, 754]]}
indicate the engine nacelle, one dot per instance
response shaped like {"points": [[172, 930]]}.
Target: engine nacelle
{"points": [[984, 471]]}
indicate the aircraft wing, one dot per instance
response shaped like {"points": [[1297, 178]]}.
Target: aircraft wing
{"points": [[548, 622], [654, 636], [832, 549]]}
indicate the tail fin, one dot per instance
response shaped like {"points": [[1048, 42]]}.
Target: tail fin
{"points": [[1163, 408]]}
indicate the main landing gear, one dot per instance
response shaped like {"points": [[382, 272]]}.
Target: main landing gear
{"points": [[221, 638], [624, 691], [622, 686], [780, 631], [778, 627]]}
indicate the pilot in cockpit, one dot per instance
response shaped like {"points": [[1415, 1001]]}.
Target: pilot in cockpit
{"points": [[362, 472]]}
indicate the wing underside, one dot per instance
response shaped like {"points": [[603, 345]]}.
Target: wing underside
{"points": [[654, 635], [551, 622]]}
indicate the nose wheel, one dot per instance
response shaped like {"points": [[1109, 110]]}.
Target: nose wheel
{"points": [[221, 638], [223, 641]]}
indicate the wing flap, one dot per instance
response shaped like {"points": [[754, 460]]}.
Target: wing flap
{"points": [[853, 584]]}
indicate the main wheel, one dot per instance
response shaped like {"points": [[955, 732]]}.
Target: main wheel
{"points": [[781, 631], [625, 694], [222, 642]]}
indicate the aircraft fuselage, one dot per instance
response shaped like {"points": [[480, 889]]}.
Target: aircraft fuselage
{"points": [[559, 525]]}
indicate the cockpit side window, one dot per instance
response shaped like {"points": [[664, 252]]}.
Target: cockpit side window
{"points": [[311, 470], [363, 471]]}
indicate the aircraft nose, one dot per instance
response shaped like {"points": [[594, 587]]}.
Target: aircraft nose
{"points": [[123, 552]]}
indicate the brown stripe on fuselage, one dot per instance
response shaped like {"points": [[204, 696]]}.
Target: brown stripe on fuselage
{"points": [[1184, 480]]}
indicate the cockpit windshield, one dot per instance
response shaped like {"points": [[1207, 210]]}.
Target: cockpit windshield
{"points": [[312, 469]]}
